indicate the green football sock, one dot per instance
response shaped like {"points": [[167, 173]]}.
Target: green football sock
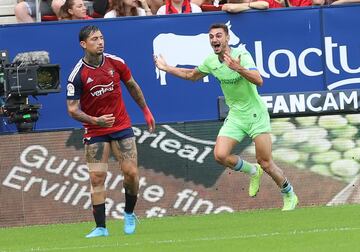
{"points": [[245, 167]]}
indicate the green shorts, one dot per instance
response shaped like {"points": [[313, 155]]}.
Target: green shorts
{"points": [[238, 129]]}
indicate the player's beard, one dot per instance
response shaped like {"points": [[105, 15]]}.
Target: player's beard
{"points": [[100, 51], [94, 58]]}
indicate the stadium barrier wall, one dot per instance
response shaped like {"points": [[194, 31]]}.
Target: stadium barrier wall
{"points": [[44, 175], [296, 50]]}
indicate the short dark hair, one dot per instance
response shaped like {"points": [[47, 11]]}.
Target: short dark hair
{"points": [[220, 25], [86, 31]]}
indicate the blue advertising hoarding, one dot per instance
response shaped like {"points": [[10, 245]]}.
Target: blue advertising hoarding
{"points": [[342, 57], [296, 50]]}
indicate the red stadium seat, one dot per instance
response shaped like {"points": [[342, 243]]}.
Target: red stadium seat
{"points": [[96, 15], [54, 18], [49, 18], [210, 7]]}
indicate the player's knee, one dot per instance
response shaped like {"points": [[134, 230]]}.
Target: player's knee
{"points": [[131, 173], [265, 163], [97, 178], [220, 158]]}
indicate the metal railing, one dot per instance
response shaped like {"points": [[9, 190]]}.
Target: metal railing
{"points": [[38, 12]]}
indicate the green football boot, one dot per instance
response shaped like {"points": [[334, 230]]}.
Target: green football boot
{"points": [[290, 201], [255, 181]]}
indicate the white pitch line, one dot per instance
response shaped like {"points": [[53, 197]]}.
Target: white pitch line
{"points": [[200, 239], [344, 194]]}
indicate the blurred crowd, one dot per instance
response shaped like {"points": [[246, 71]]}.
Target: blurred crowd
{"points": [[25, 10]]}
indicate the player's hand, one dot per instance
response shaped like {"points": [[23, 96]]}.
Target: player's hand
{"points": [[149, 119], [160, 62], [232, 63], [105, 120]]}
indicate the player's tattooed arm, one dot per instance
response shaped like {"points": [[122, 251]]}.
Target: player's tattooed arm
{"points": [[135, 92], [137, 95], [73, 107]]}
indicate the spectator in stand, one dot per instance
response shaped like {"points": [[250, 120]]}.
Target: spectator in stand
{"points": [[178, 7], [338, 2], [245, 5], [101, 7], [345, 2], [288, 3], [25, 11], [155, 5], [120, 8], [240, 5], [319, 2], [73, 10]]}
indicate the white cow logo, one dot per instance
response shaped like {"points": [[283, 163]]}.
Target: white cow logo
{"points": [[185, 50]]}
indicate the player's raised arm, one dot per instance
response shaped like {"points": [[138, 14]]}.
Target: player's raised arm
{"points": [[184, 73], [136, 93]]}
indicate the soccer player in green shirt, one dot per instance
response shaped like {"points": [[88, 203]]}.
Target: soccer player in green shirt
{"points": [[238, 76]]}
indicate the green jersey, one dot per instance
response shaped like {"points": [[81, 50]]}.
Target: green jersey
{"points": [[240, 94]]}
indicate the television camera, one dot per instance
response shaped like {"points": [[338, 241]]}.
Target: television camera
{"points": [[30, 74]]}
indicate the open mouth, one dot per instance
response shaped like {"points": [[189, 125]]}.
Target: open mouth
{"points": [[216, 46]]}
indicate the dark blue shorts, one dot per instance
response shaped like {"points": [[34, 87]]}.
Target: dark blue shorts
{"points": [[119, 135]]}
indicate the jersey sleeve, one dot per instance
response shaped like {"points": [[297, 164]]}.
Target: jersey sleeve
{"points": [[247, 61], [121, 67], [74, 86], [125, 73], [204, 67]]}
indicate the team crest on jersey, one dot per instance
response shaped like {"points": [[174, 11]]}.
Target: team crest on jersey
{"points": [[111, 72]]}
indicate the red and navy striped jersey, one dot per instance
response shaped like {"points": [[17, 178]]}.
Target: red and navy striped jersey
{"points": [[99, 92]]}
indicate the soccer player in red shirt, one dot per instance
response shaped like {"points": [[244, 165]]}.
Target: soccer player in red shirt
{"points": [[94, 97]]}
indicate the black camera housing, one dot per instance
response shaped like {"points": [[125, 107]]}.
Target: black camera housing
{"points": [[32, 80], [20, 80]]}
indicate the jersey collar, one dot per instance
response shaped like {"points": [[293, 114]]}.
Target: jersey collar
{"points": [[92, 66]]}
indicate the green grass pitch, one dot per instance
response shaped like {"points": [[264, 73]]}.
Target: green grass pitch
{"points": [[305, 229]]}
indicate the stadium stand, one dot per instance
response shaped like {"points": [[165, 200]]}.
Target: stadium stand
{"points": [[7, 15], [210, 7], [90, 11]]}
